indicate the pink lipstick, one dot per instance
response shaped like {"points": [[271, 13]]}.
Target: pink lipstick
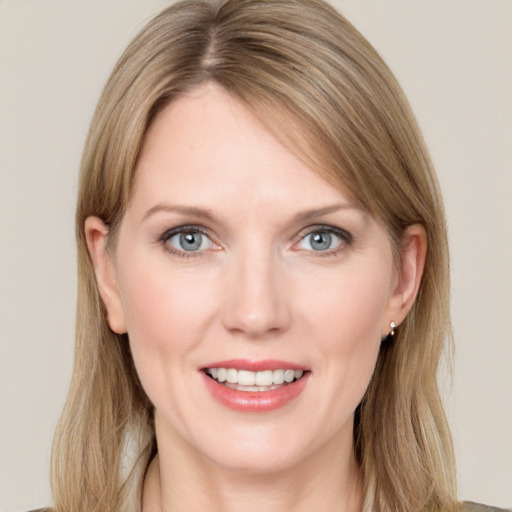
{"points": [[255, 386]]}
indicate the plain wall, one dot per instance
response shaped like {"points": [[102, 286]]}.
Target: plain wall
{"points": [[454, 60]]}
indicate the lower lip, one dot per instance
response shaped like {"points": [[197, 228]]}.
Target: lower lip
{"points": [[255, 401]]}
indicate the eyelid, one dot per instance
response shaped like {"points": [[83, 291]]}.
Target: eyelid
{"points": [[170, 233], [182, 229], [346, 238], [343, 233]]}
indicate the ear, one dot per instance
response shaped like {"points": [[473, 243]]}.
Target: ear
{"points": [[96, 236], [413, 251]]}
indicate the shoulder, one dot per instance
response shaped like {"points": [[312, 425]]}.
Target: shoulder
{"points": [[469, 506]]}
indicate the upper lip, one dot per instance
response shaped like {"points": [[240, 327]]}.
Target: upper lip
{"points": [[256, 366]]}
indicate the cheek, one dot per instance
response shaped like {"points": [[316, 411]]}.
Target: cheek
{"points": [[348, 323], [165, 315], [351, 305], [162, 305]]}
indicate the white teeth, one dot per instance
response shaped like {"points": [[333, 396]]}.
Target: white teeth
{"points": [[238, 387], [232, 376], [264, 378], [278, 376], [254, 381], [289, 375], [246, 378]]}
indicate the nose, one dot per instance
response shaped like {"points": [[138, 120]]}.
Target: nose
{"points": [[256, 297]]}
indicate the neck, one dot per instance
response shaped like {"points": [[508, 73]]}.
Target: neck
{"points": [[328, 480]]}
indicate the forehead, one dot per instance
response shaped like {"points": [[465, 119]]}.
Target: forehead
{"points": [[208, 146]]}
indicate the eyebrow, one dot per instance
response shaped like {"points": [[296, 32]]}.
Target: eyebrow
{"points": [[318, 212], [207, 214], [193, 211]]}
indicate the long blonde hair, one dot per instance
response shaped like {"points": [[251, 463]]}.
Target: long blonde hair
{"points": [[323, 89]]}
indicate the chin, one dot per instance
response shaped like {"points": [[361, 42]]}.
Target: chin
{"points": [[257, 464], [259, 454]]}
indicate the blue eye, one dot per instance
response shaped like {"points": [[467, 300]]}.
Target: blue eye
{"points": [[324, 240], [188, 240]]}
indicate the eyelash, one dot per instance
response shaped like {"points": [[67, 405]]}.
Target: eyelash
{"points": [[346, 239], [170, 233]]}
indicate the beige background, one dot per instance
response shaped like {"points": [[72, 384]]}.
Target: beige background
{"points": [[454, 60]]}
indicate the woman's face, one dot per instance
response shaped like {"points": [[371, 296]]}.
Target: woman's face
{"points": [[235, 259]]}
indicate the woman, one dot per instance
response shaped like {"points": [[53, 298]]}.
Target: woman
{"points": [[263, 286]]}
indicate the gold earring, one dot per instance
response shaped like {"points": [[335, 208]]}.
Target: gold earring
{"points": [[392, 325]]}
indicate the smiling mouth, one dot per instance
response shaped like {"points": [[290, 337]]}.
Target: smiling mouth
{"points": [[246, 380]]}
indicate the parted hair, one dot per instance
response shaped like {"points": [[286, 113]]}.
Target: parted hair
{"points": [[316, 82]]}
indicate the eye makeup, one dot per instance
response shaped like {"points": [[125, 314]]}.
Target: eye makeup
{"points": [[323, 240], [192, 241], [188, 241]]}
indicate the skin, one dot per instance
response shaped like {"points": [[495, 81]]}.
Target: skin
{"points": [[255, 290]]}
